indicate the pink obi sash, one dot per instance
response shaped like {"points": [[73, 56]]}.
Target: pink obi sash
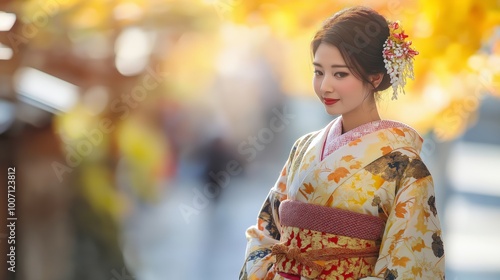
{"points": [[322, 242]]}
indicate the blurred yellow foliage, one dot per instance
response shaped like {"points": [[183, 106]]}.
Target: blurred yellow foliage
{"points": [[98, 188], [144, 151]]}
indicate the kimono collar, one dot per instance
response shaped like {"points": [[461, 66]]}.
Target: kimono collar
{"points": [[335, 139]]}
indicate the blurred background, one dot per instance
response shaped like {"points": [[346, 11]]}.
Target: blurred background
{"points": [[146, 134]]}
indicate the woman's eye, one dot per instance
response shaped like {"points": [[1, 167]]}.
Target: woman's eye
{"points": [[318, 73], [341, 74]]}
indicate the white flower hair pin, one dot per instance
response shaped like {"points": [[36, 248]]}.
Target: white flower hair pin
{"points": [[398, 58]]}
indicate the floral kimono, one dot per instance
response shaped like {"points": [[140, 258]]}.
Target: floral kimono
{"points": [[358, 205]]}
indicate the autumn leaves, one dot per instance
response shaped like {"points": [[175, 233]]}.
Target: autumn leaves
{"points": [[338, 174], [341, 172]]}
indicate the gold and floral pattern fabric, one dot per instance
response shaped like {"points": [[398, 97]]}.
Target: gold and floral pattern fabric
{"points": [[380, 174], [311, 240]]}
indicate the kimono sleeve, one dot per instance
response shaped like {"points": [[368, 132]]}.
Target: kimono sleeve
{"points": [[261, 236], [412, 247]]}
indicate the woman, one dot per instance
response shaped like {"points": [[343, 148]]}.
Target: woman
{"points": [[354, 200]]}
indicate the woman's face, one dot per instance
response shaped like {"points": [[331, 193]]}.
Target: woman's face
{"points": [[337, 88]]}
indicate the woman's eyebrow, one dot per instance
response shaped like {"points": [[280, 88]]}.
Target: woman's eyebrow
{"points": [[333, 65]]}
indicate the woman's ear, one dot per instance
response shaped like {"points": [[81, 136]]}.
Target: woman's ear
{"points": [[376, 79]]}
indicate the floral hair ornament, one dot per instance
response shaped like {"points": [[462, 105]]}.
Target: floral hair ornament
{"points": [[398, 58]]}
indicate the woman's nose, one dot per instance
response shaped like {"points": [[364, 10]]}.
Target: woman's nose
{"points": [[327, 84]]}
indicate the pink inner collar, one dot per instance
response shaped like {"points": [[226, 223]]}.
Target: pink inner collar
{"points": [[335, 139]]}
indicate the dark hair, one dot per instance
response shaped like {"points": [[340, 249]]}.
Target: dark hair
{"points": [[359, 33]]}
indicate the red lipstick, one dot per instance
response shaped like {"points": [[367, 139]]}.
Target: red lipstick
{"points": [[330, 101]]}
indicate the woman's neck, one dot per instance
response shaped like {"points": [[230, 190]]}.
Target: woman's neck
{"points": [[354, 119]]}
